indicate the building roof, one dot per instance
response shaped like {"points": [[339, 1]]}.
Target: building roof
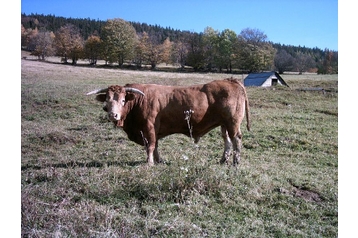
{"points": [[258, 79]]}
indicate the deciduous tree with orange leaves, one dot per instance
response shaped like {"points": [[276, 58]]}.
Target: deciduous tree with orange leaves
{"points": [[69, 43], [92, 49]]}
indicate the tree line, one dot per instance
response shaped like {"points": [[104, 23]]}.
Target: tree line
{"points": [[132, 43]]}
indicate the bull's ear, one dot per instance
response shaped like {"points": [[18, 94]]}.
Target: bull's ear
{"points": [[130, 96], [101, 97]]}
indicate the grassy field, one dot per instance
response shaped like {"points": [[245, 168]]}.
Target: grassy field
{"points": [[80, 177]]}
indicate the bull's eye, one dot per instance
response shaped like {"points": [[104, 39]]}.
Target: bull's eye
{"points": [[105, 108], [123, 101]]}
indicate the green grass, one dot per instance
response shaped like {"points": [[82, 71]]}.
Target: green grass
{"points": [[80, 177]]}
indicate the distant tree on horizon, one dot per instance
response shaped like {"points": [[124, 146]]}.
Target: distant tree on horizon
{"points": [[227, 50], [179, 53], [196, 52], [303, 62], [119, 38], [93, 48], [43, 44], [26, 35], [283, 61], [330, 63], [69, 43], [141, 49], [255, 52]]}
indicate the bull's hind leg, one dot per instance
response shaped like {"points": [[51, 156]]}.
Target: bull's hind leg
{"points": [[227, 142], [236, 142]]}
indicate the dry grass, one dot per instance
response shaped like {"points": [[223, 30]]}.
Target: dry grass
{"points": [[80, 177]]}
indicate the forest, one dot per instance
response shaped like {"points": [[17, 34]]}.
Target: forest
{"points": [[117, 41]]}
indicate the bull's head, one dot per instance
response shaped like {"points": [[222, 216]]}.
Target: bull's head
{"points": [[115, 98]]}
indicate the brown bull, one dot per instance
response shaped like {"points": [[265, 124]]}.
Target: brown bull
{"points": [[149, 112]]}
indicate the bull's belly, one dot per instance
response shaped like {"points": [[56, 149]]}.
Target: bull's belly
{"points": [[190, 130]]}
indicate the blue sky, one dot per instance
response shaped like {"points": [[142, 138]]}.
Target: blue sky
{"points": [[310, 23]]}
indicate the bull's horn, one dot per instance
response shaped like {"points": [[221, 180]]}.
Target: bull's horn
{"points": [[134, 90], [97, 91]]}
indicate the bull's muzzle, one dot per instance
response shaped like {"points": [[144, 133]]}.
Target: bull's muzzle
{"points": [[112, 116]]}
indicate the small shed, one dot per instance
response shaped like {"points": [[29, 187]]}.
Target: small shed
{"points": [[264, 79]]}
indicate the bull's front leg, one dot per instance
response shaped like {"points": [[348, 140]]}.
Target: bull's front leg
{"points": [[157, 158], [150, 154], [151, 144], [153, 154]]}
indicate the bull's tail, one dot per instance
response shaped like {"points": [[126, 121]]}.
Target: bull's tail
{"points": [[247, 108], [247, 111]]}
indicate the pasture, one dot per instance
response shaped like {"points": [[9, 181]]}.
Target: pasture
{"points": [[81, 177]]}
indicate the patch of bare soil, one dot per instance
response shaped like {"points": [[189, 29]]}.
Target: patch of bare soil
{"points": [[302, 192], [59, 138], [307, 195]]}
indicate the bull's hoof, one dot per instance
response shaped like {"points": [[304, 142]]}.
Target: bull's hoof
{"points": [[236, 161], [159, 161], [225, 158], [150, 165], [224, 161]]}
